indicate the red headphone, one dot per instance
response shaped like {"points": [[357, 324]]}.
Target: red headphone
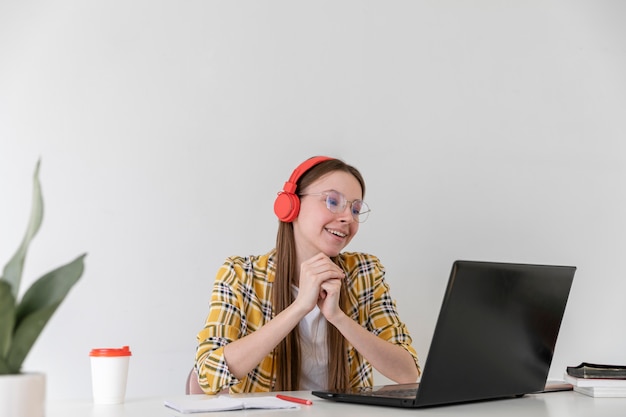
{"points": [[287, 204]]}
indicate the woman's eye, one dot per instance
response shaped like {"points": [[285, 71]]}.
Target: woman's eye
{"points": [[356, 207], [332, 201]]}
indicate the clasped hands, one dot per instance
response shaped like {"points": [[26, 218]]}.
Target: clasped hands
{"points": [[320, 284]]}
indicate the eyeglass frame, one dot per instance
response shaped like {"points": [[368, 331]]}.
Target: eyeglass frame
{"points": [[356, 216]]}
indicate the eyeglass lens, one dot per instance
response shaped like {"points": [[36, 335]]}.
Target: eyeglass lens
{"points": [[336, 203]]}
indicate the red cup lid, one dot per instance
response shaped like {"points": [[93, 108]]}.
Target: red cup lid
{"points": [[108, 352]]}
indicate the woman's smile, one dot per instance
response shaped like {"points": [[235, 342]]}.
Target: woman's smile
{"points": [[337, 233]]}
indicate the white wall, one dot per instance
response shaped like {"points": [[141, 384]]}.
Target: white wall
{"points": [[489, 130]]}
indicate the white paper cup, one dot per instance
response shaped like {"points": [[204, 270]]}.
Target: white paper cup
{"points": [[109, 372]]}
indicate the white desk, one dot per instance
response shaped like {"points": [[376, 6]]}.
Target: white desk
{"points": [[555, 404]]}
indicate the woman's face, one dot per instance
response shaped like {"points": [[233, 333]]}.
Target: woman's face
{"points": [[317, 229]]}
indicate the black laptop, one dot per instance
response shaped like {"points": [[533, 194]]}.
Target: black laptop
{"points": [[494, 337]]}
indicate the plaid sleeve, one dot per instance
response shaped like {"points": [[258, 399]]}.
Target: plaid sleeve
{"points": [[222, 326], [375, 309], [384, 320]]}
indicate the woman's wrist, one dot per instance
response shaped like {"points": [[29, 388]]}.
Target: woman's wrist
{"points": [[338, 319], [298, 308]]}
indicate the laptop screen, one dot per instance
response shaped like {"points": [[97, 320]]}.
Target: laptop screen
{"points": [[496, 331]]}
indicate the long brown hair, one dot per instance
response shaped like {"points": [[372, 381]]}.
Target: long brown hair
{"points": [[287, 353]]}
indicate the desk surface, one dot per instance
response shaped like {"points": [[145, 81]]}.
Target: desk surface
{"points": [[554, 404]]}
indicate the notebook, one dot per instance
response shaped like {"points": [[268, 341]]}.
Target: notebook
{"points": [[494, 338], [201, 403]]}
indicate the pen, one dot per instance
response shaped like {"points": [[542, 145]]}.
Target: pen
{"points": [[294, 399]]}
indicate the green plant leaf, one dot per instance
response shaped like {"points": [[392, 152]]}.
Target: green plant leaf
{"points": [[4, 367], [51, 288], [37, 306], [7, 318], [25, 336], [12, 272]]}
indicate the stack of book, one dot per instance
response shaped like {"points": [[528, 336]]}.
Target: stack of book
{"points": [[597, 380]]}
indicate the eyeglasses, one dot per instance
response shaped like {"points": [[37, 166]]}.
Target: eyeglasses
{"points": [[336, 203]]}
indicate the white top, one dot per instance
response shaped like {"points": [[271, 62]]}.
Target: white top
{"points": [[314, 353]]}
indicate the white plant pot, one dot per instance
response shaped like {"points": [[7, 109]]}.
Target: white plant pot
{"points": [[23, 395]]}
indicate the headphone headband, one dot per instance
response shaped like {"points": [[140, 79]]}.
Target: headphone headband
{"points": [[287, 204]]}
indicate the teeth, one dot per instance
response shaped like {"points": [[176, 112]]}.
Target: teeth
{"points": [[337, 233]]}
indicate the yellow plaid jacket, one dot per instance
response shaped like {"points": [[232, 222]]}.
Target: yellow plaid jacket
{"points": [[241, 303]]}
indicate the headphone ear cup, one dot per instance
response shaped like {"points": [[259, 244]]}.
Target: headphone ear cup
{"points": [[287, 203], [287, 207]]}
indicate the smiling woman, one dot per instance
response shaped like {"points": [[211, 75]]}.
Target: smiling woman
{"points": [[306, 315], [320, 229]]}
